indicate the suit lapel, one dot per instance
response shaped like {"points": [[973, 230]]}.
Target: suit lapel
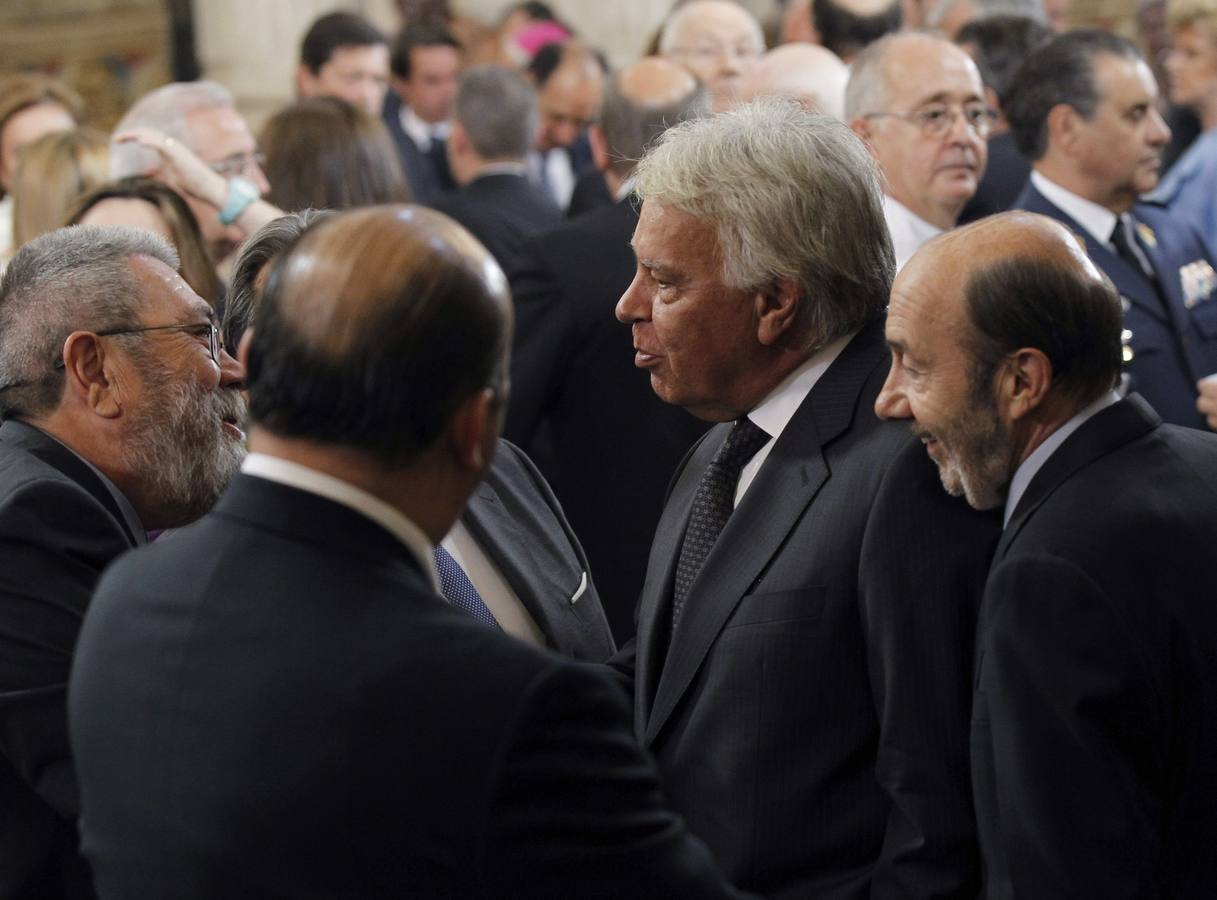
{"points": [[1172, 287], [1105, 431], [785, 486], [501, 539]]}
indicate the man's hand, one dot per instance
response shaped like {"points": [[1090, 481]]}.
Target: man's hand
{"points": [[1207, 402]]}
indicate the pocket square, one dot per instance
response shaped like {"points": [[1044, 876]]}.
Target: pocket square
{"points": [[582, 588]]}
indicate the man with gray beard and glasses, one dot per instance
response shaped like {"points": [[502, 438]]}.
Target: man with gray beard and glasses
{"points": [[121, 415]]}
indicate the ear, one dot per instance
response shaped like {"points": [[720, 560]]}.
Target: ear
{"points": [[304, 81], [991, 100], [600, 150], [89, 375], [243, 346], [776, 310], [474, 431], [458, 139], [861, 126], [1061, 127], [1023, 382]]}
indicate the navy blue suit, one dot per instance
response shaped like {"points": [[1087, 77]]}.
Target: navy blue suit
{"points": [[1174, 346]]}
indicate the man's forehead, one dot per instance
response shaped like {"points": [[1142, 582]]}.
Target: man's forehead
{"points": [[218, 133], [166, 288], [932, 71]]}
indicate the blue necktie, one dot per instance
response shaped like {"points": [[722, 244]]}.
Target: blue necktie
{"points": [[459, 590]]}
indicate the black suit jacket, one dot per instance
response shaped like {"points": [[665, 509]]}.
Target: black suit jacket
{"points": [[59, 527], [1173, 345], [1095, 725], [519, 524], [275, 703], [502, 211], [427, 174], [578, 404], [1006, 175], [810, 717]]}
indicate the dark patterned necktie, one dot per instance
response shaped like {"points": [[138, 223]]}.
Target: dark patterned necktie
{"points": [[459, 590], [712, 506]]}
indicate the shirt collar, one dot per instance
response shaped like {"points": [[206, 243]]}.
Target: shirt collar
{"points": [[627, 188], [1099, 221], [1033, 463], [282, 471], [774, 413], [422, 133], [502, 168], [908, 230]]}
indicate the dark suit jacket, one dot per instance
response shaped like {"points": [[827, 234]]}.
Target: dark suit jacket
{"points": [[810, 717], [519, 524], [1005, 176], [1095, 722], [275, 703], [427, 173], [59, 527], [502, 211], [607, 444], [1175, 346]]}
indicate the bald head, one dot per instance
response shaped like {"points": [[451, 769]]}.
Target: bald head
{"points": [[375, 327], [808, 73], [642, 101], [718, 41]]}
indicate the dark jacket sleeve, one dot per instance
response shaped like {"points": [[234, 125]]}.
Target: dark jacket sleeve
{"points": [[579, 811], [925, 556], [54, 541]]}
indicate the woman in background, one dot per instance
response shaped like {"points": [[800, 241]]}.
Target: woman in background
{"points": [[53, 173], [323, 153]]}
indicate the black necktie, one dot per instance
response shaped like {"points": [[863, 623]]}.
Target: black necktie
{"points": [[1124, 249], [459, 590], [712, 506]]}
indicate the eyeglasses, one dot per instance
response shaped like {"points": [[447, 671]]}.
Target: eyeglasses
{"points": [[195, 329], [239, 164], [715, 52], [937, 119]]}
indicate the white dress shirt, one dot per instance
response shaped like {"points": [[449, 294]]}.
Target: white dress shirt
{"points": [[1033, 463], [503, 602], [908, 230], [1099, 221], [422, 133], [272, 468], [774, 413]]}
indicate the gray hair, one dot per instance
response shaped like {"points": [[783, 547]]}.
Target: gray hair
{"points": [[498, 110], [630, 126], [72, 279], [789, 194], [166, 110], [672, 28]]}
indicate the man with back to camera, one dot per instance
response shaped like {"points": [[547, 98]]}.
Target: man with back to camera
{"points": [[805, 628], [1096, 662], [1082, 110], [278, 702], [121, 415]]}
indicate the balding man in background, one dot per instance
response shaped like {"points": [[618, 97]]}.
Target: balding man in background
{"points": [[806, 73], [1094, 726], [279, 703], [847, 27], [606, 442], [918, 102], [202, 116], [569, 79], [493, 127], [719, 41]]}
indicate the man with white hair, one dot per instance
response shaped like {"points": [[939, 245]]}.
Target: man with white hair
{"points": [[806, 73], [805, 626], [919, 103], [718, 41], [200, 115]]}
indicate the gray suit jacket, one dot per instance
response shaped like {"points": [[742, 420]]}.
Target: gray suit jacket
{"points": [[518, 523], [810, 716]]}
